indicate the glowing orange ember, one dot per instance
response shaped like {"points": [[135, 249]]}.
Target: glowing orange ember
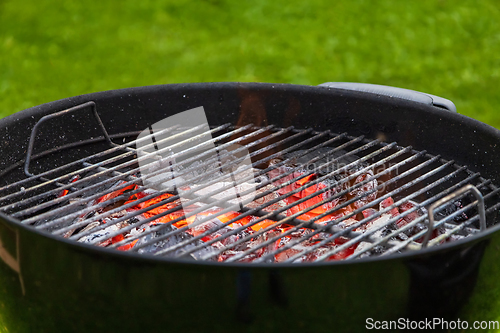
{"points": [[221, 223]]}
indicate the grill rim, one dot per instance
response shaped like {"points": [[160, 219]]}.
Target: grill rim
{"points": [[442, 248], [55, 106], [37, 112]]}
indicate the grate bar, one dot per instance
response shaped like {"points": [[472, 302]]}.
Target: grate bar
{"points": [[335, 230], [257, 211], [74, 163], [123, 196], [459, 227], [71, 174], [353, 141], [102, 172], [173, 198], [120, 171], [214, 181], [67, 146], [417, 207], [393, 219], [385, 210], [463, 190], [292, 219], [439, 223], [308, 223]]}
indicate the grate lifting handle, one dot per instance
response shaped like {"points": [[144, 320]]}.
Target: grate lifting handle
{"points": [[79, 107], [448, 198]]}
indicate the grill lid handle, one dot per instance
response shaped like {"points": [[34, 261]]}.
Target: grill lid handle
{"points": [[407, 94]]}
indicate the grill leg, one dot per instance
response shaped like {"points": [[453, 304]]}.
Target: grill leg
{"points": [[277, 289], [439, 287], [243, 290]]}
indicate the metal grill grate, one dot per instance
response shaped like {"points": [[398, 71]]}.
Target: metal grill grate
{"points": [[351, 174]]}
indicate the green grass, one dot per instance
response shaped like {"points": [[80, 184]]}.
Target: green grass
{"points": [[55, 49]]}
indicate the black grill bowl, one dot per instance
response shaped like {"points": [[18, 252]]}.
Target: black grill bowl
{"points": [[51, 284]]}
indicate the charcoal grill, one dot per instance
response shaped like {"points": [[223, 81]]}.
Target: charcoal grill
{"points": [[54, 176], [420, 172]]}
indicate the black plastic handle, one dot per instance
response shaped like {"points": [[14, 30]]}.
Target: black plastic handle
{"points": [[410, 95]]}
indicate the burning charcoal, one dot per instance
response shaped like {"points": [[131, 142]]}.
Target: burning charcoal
{"points": [[346, 223], [230, 253], [171, 241], [369, 212], [411, 216], [311, 256], [265, 199], [342, 254], [116, 193], [201, 228], [455, 237], [329, 195], [381, 230], [62, 193], [248, 245], [137, 219], [307, 191], [402, 236], [419, 227], [101, 234], [225, 190], [388, 202], [227, 254], [65, 192], [299, 247], [394, 212], [437, 232], [450, 209], [74, 231], [90, 226], [408, 219], [245, 246], [284, 255], [325, 248], [375, 223], [220, 229], [360, 192], [288, 188], [227, 241], [377, 250]]}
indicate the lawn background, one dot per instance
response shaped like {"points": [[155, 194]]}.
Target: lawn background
{"points": [[55, 49]]}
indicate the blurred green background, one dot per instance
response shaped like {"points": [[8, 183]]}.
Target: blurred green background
{"points": [[55, 49]]}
